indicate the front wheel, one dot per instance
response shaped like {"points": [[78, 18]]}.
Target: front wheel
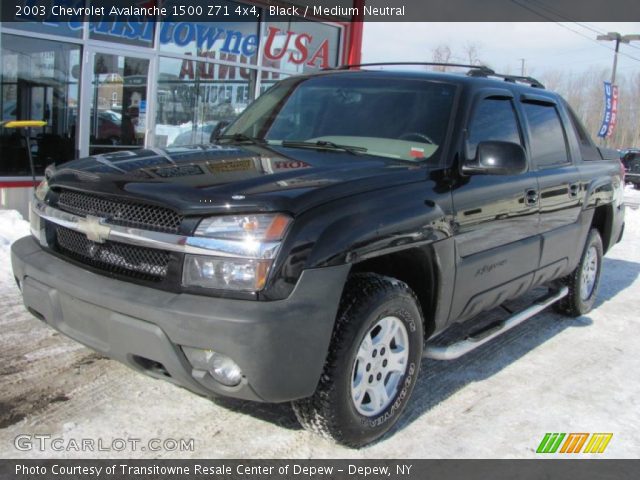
{"points": [[583, 282], [372, 365]]}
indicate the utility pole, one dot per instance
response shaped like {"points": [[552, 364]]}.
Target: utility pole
{"points": [[616, 37], [522, 67]]}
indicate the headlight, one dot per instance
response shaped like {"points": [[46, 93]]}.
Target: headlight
{"points": [[42, 189], [245, 227], [246, 246]]}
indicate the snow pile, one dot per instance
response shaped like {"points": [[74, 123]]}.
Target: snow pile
{"points": [[631, 224], [12, 227]]}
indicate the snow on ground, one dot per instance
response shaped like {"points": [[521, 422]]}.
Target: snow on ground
{"points": [[632, 196], [12, 227], [550, 374]]}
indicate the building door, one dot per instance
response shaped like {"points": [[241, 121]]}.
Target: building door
{"points": [[115, 102]]}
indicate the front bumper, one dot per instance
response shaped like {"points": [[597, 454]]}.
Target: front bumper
{"points": [[280, 346]]}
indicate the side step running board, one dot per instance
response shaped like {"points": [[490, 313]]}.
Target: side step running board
{"points": [[456, 350]]}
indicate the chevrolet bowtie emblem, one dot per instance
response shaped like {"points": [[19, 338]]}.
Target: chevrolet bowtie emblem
{"points": [[94, 229]]}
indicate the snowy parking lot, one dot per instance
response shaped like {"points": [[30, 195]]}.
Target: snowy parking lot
{"points": [[551, 374]]}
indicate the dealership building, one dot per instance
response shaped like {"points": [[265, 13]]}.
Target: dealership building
{"points": [[105, 86]]}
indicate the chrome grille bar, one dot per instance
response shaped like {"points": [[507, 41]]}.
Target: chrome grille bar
{"points": [[98, 229]]}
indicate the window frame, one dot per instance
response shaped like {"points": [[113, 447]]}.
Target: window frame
{"points": [[587, 149], [495, 94], [546, 102]]}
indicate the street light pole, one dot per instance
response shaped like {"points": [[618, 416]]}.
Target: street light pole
{"points": [[615, 60], [616, 37]]}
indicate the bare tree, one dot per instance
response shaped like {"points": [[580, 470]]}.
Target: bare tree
{"points": [[584, 92], [553, 79], [471, 52], [441, 54]]}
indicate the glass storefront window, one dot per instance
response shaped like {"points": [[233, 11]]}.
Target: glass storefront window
{"points": [[300, 46], [39, 82], [207, 74], [118, 111], [196, 99], [128, 30], [34, 21], [233, 41], [269, 79]]}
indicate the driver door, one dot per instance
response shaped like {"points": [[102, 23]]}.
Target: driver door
{"points": [[497, 240]]}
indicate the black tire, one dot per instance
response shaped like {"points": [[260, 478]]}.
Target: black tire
{"points": [[636, 186], [574, 305], [331, 412]]}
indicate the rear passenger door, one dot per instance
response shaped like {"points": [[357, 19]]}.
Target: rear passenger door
{"points": [[561, 191], [497, 239]]}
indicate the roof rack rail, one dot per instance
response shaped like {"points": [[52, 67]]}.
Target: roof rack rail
{"points": [[507, 78], [474, 70], [430, 64]]}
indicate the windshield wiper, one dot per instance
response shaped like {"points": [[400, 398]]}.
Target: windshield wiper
{"points": [[323, 145], [240, 138]]}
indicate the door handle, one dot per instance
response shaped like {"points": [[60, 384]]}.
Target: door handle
{"points": [[531, 197], [574, 188]]}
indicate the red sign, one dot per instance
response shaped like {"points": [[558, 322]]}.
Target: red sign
{"points": [[301, 51]]}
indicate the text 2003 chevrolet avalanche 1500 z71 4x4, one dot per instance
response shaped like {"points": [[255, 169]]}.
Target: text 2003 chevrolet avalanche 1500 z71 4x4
{"points": [[338, 225]]}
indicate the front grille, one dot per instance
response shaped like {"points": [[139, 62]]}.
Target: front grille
{"points": [[120, 212], [129, 260]]}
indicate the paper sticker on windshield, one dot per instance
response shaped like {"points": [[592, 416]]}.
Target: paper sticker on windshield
{"points": [[416, 152]]}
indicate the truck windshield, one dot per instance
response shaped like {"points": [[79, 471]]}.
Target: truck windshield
{"points": [[389, 117]]}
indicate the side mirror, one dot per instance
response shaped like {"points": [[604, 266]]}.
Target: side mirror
{"points": [[497, 158]]}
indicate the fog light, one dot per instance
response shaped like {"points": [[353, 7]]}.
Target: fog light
{"points": [[219, 366], [225, 370]]}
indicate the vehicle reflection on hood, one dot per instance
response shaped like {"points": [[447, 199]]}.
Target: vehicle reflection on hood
{"points": [[187, 176]]}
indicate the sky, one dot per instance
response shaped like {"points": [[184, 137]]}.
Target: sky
{"points": [[545, 46]]}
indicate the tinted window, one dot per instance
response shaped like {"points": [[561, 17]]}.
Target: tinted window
{"points": [[548, 144], [493, 119], [403, 119], [587, 149]]}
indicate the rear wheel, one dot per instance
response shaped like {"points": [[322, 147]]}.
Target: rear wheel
{"points": [[583, 282], [372, 365]]}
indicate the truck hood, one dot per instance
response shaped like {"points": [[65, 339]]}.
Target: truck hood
{"points": [[209, 179]]}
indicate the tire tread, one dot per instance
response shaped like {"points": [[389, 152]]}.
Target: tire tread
{"points": [[572, 305], [316, 413]]}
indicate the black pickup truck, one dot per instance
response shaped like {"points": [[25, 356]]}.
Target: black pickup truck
{"points": [[336, 227], [631, 162]]}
